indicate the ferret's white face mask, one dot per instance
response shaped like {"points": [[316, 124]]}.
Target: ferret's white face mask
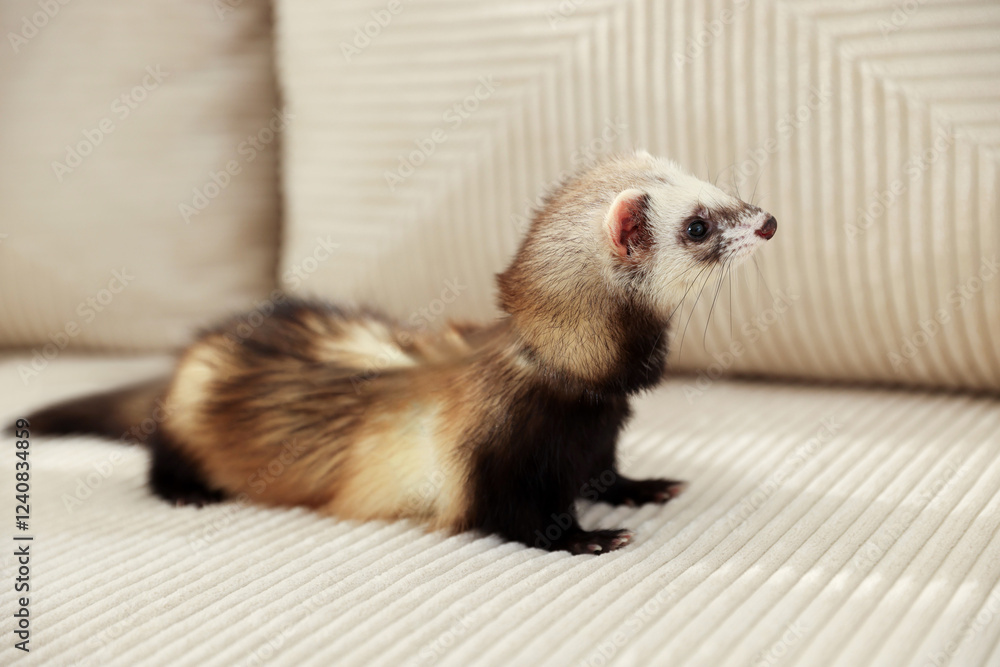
{"points": [[675, 231]]}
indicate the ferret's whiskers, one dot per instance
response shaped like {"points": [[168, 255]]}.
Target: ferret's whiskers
{"points": [[756, 183], [681, 276], [750, 288], [760, 276], [725, 275], [730, 276], [680, 346], [708, 320], [721, 172], [680, 303], [736, 186]]}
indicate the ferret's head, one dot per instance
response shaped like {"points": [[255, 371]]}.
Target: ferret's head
{"points": [[634, 227]]}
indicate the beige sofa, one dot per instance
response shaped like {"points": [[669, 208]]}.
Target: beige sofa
{"points": [[836, 414]]}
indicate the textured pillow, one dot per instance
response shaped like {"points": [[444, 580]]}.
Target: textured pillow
{"points": [[138, 185], [426, 132]]}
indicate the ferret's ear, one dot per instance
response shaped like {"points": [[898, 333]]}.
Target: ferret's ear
{"points": [[627, 224]]}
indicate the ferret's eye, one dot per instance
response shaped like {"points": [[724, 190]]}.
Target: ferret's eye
{"points": [[698, 230]]}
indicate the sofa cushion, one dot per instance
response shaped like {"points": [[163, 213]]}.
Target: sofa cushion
{"points": [[821, 526], [138, 185], [428, 131]]}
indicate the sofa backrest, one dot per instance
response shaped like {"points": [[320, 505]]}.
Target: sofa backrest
{"points": [[427, 132], [139, 194]]}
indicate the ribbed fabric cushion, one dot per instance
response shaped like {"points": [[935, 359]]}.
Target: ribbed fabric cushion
{"points": [[870, 129], [822, 526], [112, 116]]}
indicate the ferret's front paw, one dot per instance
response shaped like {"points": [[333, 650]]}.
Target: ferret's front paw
{"points": [[634, 492], [597, 541]]}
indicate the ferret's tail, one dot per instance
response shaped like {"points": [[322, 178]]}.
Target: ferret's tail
{"points": [[112, 414]]}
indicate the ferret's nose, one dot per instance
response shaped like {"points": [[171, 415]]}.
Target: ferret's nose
{"points": [[767, 230]]}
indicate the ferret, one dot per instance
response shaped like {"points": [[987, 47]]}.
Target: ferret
{"points": [[494, 428]]}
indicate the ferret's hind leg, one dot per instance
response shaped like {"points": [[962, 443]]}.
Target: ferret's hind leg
{"points": [[175, 478]]}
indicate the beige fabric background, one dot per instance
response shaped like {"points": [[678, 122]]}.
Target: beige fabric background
{"points": [[868, 128], [65, 234]]}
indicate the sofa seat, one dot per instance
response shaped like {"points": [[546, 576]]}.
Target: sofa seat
{"points": [[823, 525]]}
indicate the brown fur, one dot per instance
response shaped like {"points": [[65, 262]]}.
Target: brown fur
{"points": [[491, 427], [359, 439]]}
